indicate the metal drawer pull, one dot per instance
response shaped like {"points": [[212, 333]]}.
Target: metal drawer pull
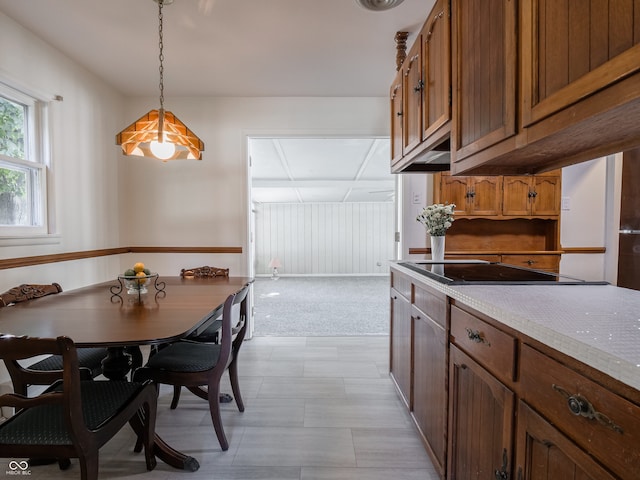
{"points": [[579, 405], [503, 474], [476, 336]]}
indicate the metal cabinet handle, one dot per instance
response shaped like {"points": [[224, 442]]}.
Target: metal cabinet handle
{"points": [[530, 262], [399, 114], [476, 336], [419, 87], [580, 406], [533, 194], [502, 474]]}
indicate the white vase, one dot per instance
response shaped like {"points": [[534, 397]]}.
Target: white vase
{"points": [[437, 248]]}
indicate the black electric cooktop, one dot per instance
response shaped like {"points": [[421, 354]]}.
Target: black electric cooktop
{"points": [[460, 273]]}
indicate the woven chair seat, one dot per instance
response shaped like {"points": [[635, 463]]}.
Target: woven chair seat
{"points": [[87, 357], [186, 357], [45, 425]]}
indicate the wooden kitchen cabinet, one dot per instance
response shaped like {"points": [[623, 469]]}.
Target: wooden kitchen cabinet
{"points": [[594, 418], [571, 51], [512, 219], [430, 347], [481, 420], [545, 453], [412, 84], [536, 195], [484, 75], [476, 196], [420, 93], [401, 337], [396, 121], [436, 72]]}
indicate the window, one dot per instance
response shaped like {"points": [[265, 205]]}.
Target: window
{"points": [[23, 164]]}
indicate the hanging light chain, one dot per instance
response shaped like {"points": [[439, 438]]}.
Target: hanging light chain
{"points": [[161, 55]]}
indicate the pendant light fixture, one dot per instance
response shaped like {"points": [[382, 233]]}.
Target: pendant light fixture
{"points": [[159, 133], [379, 5]]}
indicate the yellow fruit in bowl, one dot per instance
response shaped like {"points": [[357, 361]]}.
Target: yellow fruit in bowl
{"points": [[142, 279], [138, 267]]}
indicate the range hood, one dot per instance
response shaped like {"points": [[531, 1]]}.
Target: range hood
{"points": [[437, 159]]}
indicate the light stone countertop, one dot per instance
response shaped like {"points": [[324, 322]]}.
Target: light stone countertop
{"points": [[596, 324]]}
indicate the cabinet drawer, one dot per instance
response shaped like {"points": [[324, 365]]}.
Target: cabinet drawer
{"points": [[431, 305], [539, 262], [490, 347], [607, 427], [402, 284]]}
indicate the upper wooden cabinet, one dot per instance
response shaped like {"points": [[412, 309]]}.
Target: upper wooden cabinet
{"points": [[420, 94], [484, 75], [436, 71], [412, 90], [536, 195], [534, 85], [397, 111], [571, 51], [478, 196]]}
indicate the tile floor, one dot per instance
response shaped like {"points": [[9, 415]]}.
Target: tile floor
{"points": [[317, 408]]}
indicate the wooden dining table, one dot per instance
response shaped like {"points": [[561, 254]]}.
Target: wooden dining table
{"points": [[94, 316]]}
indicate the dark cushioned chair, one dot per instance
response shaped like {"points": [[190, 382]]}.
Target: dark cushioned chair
{"points": [[73, 418], [199, 364], [212, 332], [44, 371]]}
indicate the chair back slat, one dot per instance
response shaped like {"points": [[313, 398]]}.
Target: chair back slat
{"points": [[204, 272], [14, 348], [27, 291]]}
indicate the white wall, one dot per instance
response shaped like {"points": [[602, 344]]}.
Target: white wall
{"points": [[83, 181], [325, 238], [205, 203], [582, 224]]}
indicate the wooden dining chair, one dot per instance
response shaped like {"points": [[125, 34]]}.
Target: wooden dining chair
{"points": [[45, 371], [196, 365], [212, 332], [73, 418]]}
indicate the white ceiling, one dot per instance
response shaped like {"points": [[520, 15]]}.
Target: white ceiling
{"points": [[244, 48], [303, 170]]}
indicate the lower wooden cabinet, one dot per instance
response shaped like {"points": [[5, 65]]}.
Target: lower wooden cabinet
{"points": [[400, 348], [492, 403], [430, 385], [481, 420], [545, 453]]}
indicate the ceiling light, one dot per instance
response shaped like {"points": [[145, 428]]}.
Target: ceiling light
{"points": [[159, 134], [379, 5]]}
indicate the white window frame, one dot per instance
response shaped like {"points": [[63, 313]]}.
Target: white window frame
{"points": [[37, 159]]}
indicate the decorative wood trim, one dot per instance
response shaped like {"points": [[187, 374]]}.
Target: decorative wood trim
{"points": [[584, 250], [565, 250], [69, 256]]}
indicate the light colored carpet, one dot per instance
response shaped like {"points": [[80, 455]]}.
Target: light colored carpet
{"points": [[321, 306]]}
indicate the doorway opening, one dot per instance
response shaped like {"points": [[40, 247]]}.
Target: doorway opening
{"points": [[322, 233]]}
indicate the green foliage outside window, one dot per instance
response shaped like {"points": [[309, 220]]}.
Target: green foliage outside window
{"points": [[12, 136]]}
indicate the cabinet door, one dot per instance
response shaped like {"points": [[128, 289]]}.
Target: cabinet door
{"points": [[484, 74], [571, 50], [516, 200], [544, 453], [395, 98], [481, 412], [412, 91], [430, 385], [547, 195], [436, 67], [400, 355], [455, 190], [485, 195]]}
